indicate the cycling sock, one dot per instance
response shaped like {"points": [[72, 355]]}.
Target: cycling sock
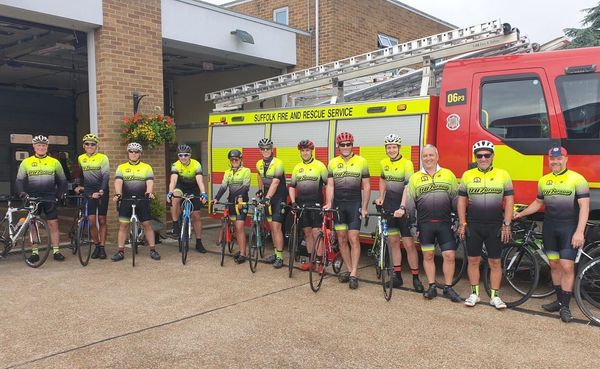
{"points": [[35, 251], [279, 254], [398, 274], [397, 268], [475, 289], [558, 290], [198, 241], [566, 298], [55, 250], [432, 285], [414, 272], [494, 293]]}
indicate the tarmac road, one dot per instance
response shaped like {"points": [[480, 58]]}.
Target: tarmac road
{"points": [[166, 315]]}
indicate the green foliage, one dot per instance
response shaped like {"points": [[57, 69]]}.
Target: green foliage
{"points": [[157, 208], [151, 130], [590, 34]]}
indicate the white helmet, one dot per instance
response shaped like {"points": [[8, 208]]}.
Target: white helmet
{"points": [[40, 140], [483, 145], [134, 146], [392, 139]]}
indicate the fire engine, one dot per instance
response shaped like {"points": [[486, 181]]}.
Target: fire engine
{"points": [[480, 82]]}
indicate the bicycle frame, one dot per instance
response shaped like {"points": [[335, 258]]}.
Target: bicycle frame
{"points": [[14, 231]]}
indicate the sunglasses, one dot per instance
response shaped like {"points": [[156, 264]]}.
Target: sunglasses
{"points": [[133, 152], [184, 155], [347, 144], [90, 144], [234, 159], [265, 149], [481, 156]]}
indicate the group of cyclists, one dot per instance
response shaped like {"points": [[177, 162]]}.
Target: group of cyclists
{"points": [[422, 203]]}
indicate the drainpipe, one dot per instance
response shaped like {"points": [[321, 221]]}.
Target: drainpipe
{"points": [[316, 32]]}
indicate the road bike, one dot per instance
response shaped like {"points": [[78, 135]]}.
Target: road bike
{"points": [[82, 240], [325, 249], [295, 235], [226, 236], [136, 232], [384, 264], [185, 220], [30, 233], [258, 234], [587, 290]]}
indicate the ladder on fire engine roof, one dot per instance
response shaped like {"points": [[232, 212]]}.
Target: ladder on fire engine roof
{"points": [[486, 35]]}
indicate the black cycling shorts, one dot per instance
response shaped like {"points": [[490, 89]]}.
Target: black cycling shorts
{"points": [[557, 238], [241, 213], [274, 210], [142, 210], [100, 203], [49, 208], [349, 215], [312, 219], [441, 233], [480, 233], [399, 225], [181, 190]]}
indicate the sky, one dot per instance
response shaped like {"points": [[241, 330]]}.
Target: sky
{"points": [[540, 20]]}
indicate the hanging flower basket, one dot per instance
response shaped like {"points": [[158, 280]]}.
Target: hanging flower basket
{"points": [[151, 130]]}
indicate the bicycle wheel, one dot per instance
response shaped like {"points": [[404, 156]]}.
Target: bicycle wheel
{"points": [[83, 241], [4, 242], [35, 241], [230, 243], [387, 269], [184, 239], [337, 263], [253, 244], [545, 287], [587, 290], [292, 248], [460, 261], [263, 237], [521, 270], [316, 278], [133, 241], [223, 240], [73, 235]]}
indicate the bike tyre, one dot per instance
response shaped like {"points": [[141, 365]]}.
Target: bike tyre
{"points": [[84, 241], [316, 279], [184, 240], [253, 254], [292, 248], [133, 241], [587, 290], [387, 269], [41, 236]]}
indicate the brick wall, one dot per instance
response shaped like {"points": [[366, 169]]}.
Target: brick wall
{"points": [[347, 27], [128, 58]]}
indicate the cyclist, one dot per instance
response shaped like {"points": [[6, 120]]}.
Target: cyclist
{"points": [[395, 173], [348, 176], [431, 192], [186, 177], [481, 192], [565, 195], [271, 183], [42, 176], [306, 188], [237, 181], [134, 178], [94, 183]]}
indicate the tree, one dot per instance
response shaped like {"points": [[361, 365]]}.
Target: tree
{"points": [[590, 34]]}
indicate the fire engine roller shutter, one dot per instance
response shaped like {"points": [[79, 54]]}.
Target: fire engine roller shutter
{"points": [[286, 136], [369, 134], [241, 137]]}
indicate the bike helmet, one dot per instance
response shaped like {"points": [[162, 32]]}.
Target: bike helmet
{"points": [[392, 139], [134, 146], [306, 144], [483, 145], [344, 137], [265, 143], [90, 137], [40, 140], [184, 149], [235, 153]]}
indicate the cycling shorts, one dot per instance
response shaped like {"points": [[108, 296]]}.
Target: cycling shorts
{"points": [[399, 226], [441, 233], [142, 211], [49, 208], [101, 204], [312, 219], [480, 233], [239, 214], [274, 210], [349, 215], [557, 238]]}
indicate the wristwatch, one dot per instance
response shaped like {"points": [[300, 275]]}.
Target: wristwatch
{"points": [[506, 224], [402, 207]]}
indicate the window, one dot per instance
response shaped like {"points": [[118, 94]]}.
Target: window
{"points": [[579, 96], [385, 41], [280, 16], [514, 108]]}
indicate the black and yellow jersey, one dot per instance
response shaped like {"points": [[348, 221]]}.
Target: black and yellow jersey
{"points": [[237, 181], [134, 178], [186, 175], [486, 191], [95, 172], [431, 196], [396, 174], [560, 193], [308, 178], [41, 177], [347, 177], [269, 170]]}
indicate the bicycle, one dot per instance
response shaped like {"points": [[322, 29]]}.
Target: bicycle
{"points": [[331, 254], [384, 264], [82, 240], [258, 235], [226, 236], [295, 236], [587, 290], [38, 242], [185, 221], [136, 233]]}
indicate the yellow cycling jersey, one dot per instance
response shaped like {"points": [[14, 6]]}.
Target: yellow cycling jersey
{"points": [[560, 193], [431, 196], [95, 172], [308, 179], [347, 177], [237, 181], [41, 177], [396, 174], [186, 175], [134, 177], [486, 191], [269, 170]]}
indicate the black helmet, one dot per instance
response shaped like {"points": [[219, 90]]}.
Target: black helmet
{"points": [[184, 149], [235, 153]]}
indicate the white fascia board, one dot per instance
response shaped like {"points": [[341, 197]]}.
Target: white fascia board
{"points": [[83, 15], [201, 27]]}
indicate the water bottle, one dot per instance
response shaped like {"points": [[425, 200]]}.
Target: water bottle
{"points": [[20, 222]]}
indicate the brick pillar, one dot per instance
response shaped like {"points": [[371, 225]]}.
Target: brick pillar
{"points": [[128, 58]]}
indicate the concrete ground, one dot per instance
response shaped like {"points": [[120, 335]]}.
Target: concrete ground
{"points": [[166, 315]]}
